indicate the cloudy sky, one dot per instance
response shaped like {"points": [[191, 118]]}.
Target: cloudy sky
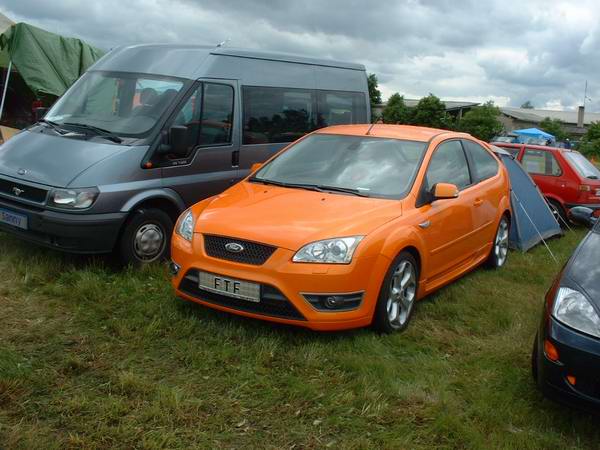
{"points": [[505, 50]]}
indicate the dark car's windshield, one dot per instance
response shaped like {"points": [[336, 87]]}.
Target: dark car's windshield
{"points": [[119, 103], [582, 165], [363, 165]]}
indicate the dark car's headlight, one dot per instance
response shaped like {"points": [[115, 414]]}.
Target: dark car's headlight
{"points": [[73, 198], [572, 308]]}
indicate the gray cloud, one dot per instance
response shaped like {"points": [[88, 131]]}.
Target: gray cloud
{"points": [[505, 50]]}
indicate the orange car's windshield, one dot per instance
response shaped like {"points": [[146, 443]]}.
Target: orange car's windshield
{"points": [[361, 165]]}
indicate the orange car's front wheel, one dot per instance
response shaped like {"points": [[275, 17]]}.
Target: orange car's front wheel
{"points": [[398, 294]]}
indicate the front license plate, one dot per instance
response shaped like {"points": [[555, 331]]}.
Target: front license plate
{"points": [[230, 287], [14, 219]]}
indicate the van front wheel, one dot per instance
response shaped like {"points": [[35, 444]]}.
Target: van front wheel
{"points": [[146, 237]]}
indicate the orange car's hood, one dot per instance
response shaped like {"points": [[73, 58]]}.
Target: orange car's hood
{"points": [[291, 218]]}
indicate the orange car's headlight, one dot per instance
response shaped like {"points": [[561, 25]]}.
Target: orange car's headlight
{"points": [[329, 251], [185, 226]]}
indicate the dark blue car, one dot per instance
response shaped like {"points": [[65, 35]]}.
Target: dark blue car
{"points": [[566, 351]]}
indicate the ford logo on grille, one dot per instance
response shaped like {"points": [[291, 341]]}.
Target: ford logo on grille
{"points": [[234, 247]]}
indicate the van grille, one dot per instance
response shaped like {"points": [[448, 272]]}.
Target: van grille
{"points": [[22, 191], [251, 253]]}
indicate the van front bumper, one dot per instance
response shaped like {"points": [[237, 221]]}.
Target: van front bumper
{"points": [[72, 233]]}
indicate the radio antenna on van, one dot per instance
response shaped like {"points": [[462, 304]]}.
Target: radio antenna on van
{"points": [[222, 44], [369, 130]]}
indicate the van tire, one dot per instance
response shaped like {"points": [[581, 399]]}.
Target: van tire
{"points": [[382, 321], [146, 237]]}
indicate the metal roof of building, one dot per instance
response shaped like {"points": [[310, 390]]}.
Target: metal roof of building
{"points": [[537, 115]]}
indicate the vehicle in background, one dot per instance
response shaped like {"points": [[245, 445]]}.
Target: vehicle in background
{"points": [[566, 351], [565, 177], [151, 129], [347, 227]]}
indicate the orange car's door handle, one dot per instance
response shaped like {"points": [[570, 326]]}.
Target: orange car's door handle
{"points": [[478, 202]]}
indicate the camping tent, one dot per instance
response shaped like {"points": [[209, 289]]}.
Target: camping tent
{"points": [[534, 133], [47, 63], [532, 220]]}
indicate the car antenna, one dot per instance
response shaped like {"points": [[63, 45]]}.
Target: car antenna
{"points": [[222, 44], [369, 130]]}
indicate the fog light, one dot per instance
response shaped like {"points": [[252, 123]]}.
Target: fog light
{"points": [[550, 351], [333, 301], [174, 268]]}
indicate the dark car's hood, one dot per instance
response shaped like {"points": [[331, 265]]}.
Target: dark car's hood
{"points": [[49, 159], [584, 268]]}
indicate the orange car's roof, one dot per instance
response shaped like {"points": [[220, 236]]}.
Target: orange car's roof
{"points": [[407, 132]]}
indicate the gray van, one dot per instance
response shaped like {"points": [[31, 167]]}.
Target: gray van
{"points": [[151, 129]]}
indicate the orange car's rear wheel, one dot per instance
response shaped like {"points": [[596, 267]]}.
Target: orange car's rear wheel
{"points": [[397, 296]]}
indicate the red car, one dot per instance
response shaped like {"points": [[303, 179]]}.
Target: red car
{"points": [[565, 177]]}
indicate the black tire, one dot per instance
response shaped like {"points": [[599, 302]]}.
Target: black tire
{"points": [[146, 237], [383, 309], [534, 360], [499, 252], [559, 212]]}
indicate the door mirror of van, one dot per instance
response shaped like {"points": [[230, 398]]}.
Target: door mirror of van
{"points": [[445, 191], [255, 167], [178, 140], [583, 216], [40, 113]]}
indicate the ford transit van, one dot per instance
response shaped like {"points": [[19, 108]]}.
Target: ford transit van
{"points": [[151, 129]]}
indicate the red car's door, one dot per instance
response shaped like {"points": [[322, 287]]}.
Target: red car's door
{"points": [[545, 170]]}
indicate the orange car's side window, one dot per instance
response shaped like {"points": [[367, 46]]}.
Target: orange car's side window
{"points": [[448, 165]]}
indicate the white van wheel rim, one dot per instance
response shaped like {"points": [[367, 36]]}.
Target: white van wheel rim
{"points": [[501, 243], [149, 242], [402, 294]]}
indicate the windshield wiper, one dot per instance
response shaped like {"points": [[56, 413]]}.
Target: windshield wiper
{"points": [[99, 131], [592, 177], [346, 190], [55, 126], [311, 187]]}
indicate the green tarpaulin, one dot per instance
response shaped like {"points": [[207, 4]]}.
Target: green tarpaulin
{"points": [[49, 63]]}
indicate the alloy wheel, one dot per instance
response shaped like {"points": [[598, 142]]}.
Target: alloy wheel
{"points": [[501, 243], [402, 294]]}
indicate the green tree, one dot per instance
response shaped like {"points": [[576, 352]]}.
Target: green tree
{"points": [[396, 110], [482, 122], [527, 105], [431, 112], [554, 127], [590, 144], [374, 93]]}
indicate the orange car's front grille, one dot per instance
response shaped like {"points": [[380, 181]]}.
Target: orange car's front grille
{"points": [[238, 250]]}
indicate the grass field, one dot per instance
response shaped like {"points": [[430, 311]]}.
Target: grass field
{"points": [[91, 357]]}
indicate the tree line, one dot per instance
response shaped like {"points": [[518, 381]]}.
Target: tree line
{"points": [[480, 121]]}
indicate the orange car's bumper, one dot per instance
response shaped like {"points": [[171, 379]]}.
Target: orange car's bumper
{"points": [[283, 281]]}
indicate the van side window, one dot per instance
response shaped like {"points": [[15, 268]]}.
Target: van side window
{"points": [[341, 108], [541, 162], [274, 115], [208, 115], [484, 165], [448, 165]]}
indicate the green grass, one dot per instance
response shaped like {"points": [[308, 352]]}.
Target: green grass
{"points": [[95, 358]]}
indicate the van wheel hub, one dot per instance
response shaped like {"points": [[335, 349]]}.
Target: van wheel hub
{"points": [[149, 242]]}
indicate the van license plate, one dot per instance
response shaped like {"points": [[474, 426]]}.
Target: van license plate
{"points": [[14, 219], [230, 287]]}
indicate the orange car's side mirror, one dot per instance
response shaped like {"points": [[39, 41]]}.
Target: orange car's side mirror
{"points": [[255, 167], [444, 191]]}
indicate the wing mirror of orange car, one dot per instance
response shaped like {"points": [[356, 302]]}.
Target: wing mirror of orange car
{"points": [[255, 167], [445, 191]]}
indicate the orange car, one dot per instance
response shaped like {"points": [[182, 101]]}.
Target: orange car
{"points": [[346, 227]]}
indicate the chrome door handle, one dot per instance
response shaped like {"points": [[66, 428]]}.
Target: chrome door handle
{"points": [[425, 224]]}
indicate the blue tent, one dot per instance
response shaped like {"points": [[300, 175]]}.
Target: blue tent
{"points": [[534, 133], [532, 220]]}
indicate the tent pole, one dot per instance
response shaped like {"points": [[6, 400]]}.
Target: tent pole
{"points": [[536, 229], [5, 88]]}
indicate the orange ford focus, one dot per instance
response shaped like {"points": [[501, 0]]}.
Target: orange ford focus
{"points": [[346, 227]]}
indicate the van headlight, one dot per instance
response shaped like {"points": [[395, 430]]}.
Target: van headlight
{"points": [[185, 226], [330, 251], [73, 198], [572, 308]]}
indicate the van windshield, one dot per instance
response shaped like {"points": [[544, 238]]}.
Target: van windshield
{"points": [[120, 103], [582, 165], [359, 165]]}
